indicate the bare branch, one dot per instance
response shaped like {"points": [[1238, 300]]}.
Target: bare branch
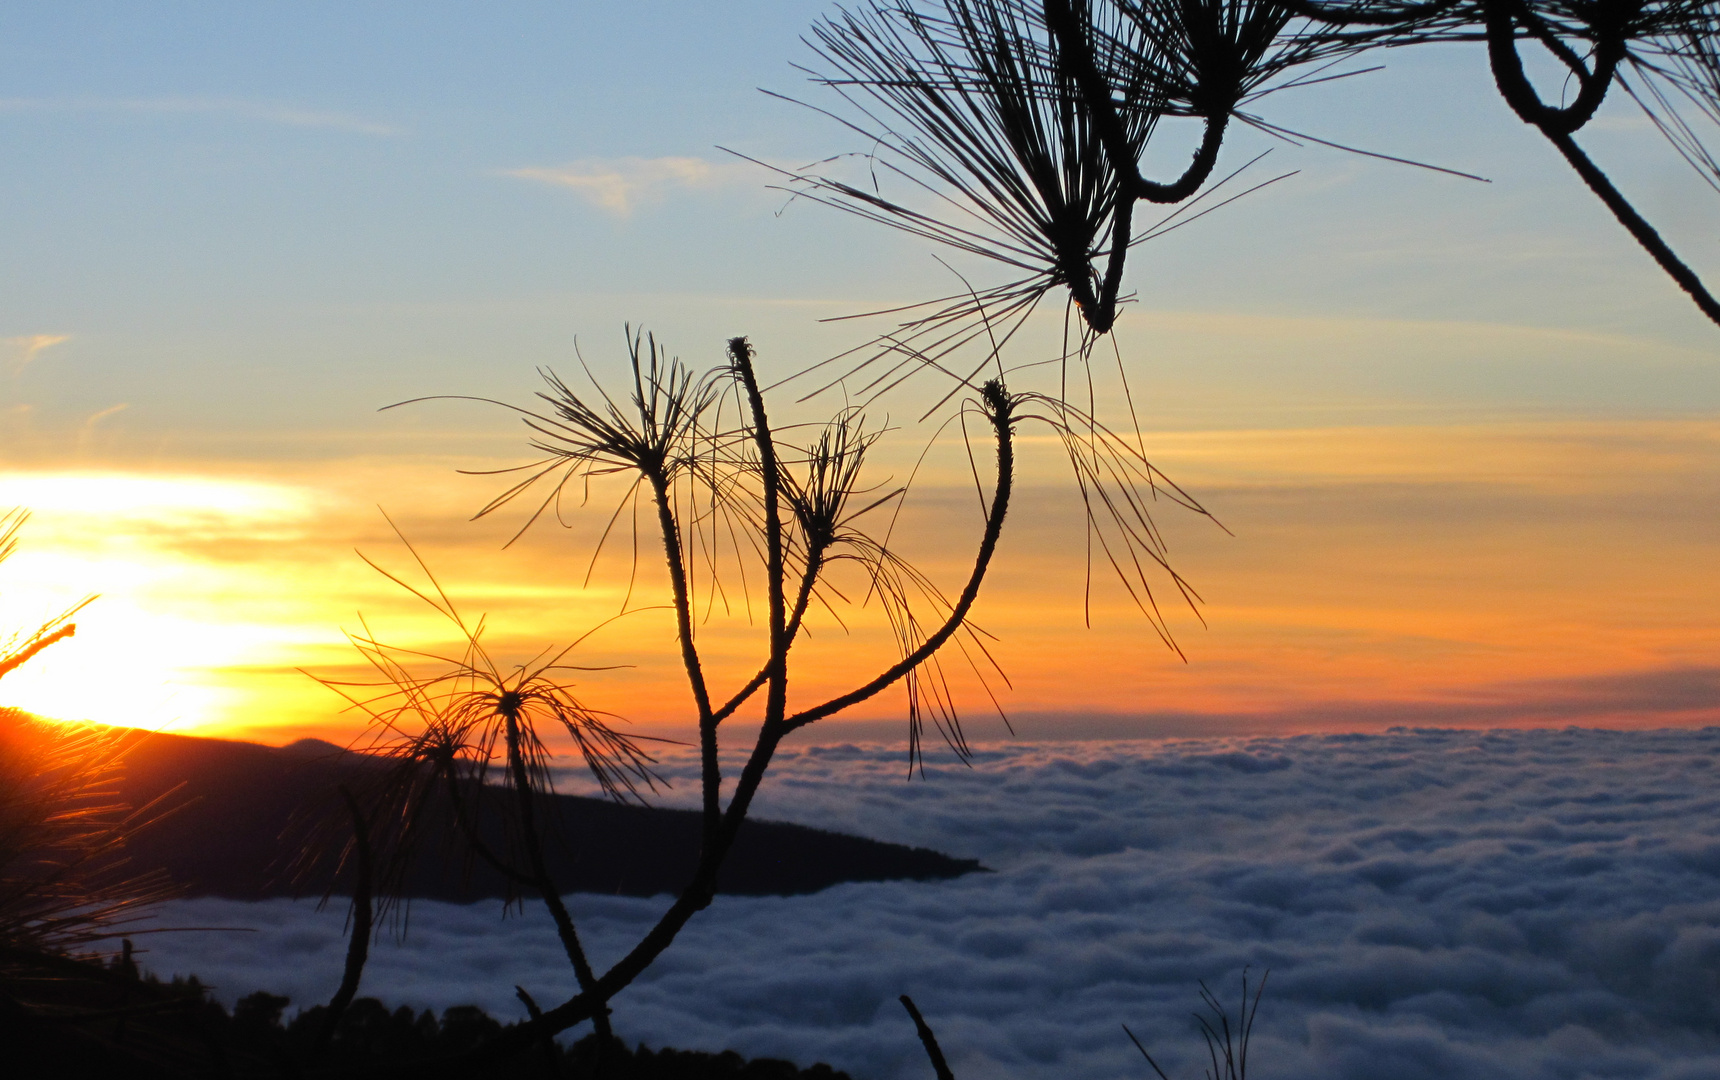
{"points": [[358, 944], [928, 1040]]}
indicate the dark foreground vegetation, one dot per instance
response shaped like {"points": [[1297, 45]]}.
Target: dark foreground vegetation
{"points": [[81, 1020]]}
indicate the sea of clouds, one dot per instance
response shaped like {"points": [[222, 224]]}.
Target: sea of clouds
{"points": [[1439, 904]]}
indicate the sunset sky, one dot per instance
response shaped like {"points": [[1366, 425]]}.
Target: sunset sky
{"points": [[1465, 435]]}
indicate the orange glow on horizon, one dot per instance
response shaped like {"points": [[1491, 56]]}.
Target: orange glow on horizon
{"points": [[1422, 566]]}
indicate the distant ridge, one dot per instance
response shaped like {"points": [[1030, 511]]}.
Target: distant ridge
{"points": [[242, 803]]}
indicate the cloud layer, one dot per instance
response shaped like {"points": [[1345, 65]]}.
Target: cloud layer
{"points": [[1518, 904]]}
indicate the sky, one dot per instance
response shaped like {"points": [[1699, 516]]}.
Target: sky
{"points": [[1462, 435]]}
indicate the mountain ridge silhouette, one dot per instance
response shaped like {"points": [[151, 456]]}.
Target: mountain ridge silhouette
{"points": [[232, 814]]}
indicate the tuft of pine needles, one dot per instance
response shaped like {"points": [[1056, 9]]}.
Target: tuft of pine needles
{"points": [[464, 737], [1016, 130], [972, 109], [1119, 487], [1676, 82], [463, 730], [64, 880]]}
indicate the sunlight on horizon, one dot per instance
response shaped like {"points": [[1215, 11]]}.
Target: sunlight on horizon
{"points": [[150, 648], [1403, 566]]}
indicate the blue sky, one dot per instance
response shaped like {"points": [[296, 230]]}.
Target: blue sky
{"points": [[276, 215]]}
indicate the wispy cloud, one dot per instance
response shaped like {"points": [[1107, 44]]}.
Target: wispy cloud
{"points": [[619, 185], [88, 431], [22, 351], [261, 112]]}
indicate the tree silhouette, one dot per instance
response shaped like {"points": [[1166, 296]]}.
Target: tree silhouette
{"points": [[697, 457]]}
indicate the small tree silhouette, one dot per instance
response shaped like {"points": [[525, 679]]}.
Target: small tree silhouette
{"points": [[700, 455]]}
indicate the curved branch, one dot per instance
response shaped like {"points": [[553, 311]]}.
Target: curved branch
{"points": [[1122, 228], [1096, 96], [1558, 125], [1205, 157], [1077, 275], [999, 410], [1513, 83], [1548, 37]]}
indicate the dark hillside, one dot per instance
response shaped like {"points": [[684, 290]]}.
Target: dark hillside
{"points": [[240, 800]]}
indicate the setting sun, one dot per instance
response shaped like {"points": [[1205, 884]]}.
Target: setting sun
{"points": [[167, 622]]}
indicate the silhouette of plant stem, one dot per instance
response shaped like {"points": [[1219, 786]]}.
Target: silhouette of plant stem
{"points": [[15, 651], [551, 1058], [358, 943], [928, 1040], [16, 660], [745, 469], [524, 794]]}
